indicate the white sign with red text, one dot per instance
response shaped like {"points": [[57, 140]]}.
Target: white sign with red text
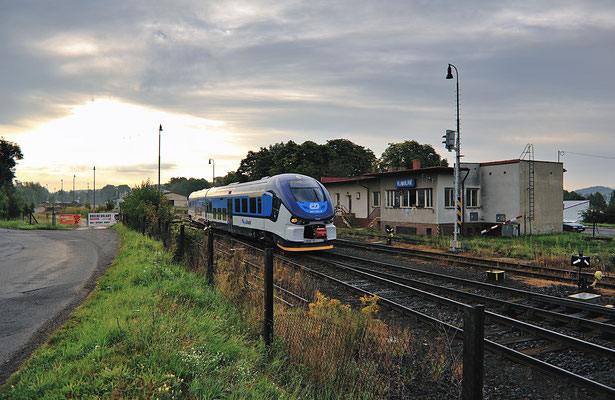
{"points": [[102, 219]]}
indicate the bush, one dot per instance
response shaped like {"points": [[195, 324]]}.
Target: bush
{"points": [[145, 207], [10, 202]]}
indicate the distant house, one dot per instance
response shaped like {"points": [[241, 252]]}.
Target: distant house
{"points": [[573, 209], [177, 200]]}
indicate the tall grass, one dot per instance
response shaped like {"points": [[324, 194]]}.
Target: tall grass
{"points": [[149, 330]]}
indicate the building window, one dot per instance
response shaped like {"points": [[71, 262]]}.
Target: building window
{"points": [[376, 199], [409, 198], [392, 198], [449, 197], [500, 217], [337, 199], [472, 197], [423, 198]]}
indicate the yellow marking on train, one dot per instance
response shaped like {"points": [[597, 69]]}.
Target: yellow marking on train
{"points": [[305, 248], [255, 195]]}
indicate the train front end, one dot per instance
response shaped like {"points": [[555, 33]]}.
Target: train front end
{"points": [[306, 213]]}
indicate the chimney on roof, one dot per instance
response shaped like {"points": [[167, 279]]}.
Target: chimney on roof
{"points": [[416, 164]]}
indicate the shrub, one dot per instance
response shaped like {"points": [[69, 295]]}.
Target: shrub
{"points": [[145, 207]]}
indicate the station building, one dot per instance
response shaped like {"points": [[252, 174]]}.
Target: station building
{"points": [[420, 201]]}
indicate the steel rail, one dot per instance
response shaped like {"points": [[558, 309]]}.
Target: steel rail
{"points": [[545, 298], [512, 267], [570, 319], [494, 347], [523, 326]]}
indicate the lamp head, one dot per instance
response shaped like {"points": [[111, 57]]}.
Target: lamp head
{"points": [[210, 160], [160, 129], [450, 73]]}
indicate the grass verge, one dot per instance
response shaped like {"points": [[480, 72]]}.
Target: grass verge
{"points": [[151, 330], [26, 226], [547, 249]]}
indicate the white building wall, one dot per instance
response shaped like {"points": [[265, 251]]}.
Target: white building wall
{"points": [[500, 191], [573, 209], [359, 197]]}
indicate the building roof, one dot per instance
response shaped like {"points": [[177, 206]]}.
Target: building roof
{"points": [[374, 175]]}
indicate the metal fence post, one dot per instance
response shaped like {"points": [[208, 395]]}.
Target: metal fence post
{"points": [[268, 328], [473, 352], [210, 257]]}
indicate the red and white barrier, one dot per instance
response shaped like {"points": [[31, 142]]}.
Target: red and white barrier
{"points": [[500, 224]]}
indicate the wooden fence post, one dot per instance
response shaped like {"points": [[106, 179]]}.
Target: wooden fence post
{"points": [[210, 256], [268, 321], [473, 352], [181, 241]]}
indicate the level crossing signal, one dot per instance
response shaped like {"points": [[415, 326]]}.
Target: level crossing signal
{"points": [[449, 140], [579, 261]]}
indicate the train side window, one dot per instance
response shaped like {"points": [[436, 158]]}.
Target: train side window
{"points": [[259, 205], [244, 205], [252, 205], [224, 214], [237, 206]]}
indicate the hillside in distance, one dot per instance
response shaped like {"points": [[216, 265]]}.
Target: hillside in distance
{"points": [[606, 191]]}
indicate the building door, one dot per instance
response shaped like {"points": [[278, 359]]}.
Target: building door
{"points": [[349, 202]]}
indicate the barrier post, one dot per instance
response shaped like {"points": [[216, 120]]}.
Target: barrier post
{"points": [[210, 257], [268, 321], [473, 352]]}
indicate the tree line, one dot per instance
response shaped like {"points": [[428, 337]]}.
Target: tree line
{"points": [[337, 157], [599, 211]]}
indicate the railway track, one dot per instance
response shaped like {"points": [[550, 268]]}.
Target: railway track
{"points": [[568, 276], [550, 351], [521, 341]]}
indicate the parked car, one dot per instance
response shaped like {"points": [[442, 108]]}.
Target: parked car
{"points": [[572, 226]]}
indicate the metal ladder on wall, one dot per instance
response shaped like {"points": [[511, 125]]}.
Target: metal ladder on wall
{"points": [[528, 152]]}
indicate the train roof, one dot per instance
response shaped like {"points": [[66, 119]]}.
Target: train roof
{"points": [[246, 188]]}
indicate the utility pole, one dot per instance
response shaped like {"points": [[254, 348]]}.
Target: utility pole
{"points": [[94, 188], [74, 176]]}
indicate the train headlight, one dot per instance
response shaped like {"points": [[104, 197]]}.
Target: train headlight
{"points": [[294, 220]]}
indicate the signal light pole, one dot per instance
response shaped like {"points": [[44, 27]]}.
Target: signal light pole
{"points": [[455, 244]]}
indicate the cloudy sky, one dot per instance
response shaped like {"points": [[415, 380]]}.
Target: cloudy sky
{"points": [[87, 83]]}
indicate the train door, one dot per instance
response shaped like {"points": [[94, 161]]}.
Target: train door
{"points": [[229, 206]]}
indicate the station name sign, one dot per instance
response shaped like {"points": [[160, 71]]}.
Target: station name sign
{"points": [[404, 183]]}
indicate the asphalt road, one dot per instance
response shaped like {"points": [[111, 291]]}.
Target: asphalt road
{"points": [[600, 230], [44, 275]]}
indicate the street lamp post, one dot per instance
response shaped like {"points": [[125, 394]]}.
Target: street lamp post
{"points": [[455, 245], [94, 188], [213, 171], [159, 135], [74, 176]]}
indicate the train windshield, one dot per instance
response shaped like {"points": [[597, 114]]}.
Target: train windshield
{"points": [[307, 194]]}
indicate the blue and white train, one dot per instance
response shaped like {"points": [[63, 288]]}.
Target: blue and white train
{"points": [[294, 211]]}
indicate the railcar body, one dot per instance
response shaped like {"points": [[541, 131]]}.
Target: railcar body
{"points": [[294, 211]]}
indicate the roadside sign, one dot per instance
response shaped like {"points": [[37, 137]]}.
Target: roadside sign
{"points": [[102, 219], [72, 219]]}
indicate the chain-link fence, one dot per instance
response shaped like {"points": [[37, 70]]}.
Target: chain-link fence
{"points": [[343, 351]]}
